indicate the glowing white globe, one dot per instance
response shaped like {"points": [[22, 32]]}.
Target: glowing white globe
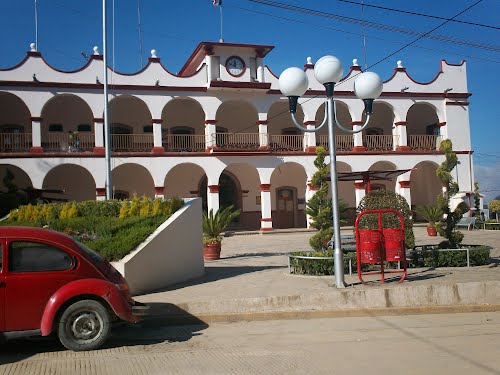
{"points": [[293, 82], [368, 85], [328, 69]]}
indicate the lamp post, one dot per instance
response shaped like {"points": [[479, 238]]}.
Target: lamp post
{"points": [[293, 83]]}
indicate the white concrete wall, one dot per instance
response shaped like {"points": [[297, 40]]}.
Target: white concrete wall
{"points": [[172, 254]]}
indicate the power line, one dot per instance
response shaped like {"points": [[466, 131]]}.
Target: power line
{"points": [[379, 26], [420, 14]]}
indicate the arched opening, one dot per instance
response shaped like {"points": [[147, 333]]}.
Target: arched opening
{"points": [[378, 134], [383, 184], [129, 179], [76, 182], [283, 134], [344, 141], [238, 120], [63, 119], [15, 124], [424, 184], [183, 181], [422, 127]]}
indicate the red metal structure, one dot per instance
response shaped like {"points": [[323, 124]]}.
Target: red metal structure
{"points": [[376, 246]]}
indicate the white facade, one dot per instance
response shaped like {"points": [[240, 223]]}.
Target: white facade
{"points": [[223, 132]]}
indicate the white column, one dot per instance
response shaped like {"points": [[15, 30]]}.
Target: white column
{"points": [[36, 135], [404, 190], [99, 135], [210, 134], [443, 134], [100, 194], [310, 137], [213, 198], [157, 137], [159, 192], [310, 191], [260, 70], [266, 221], [263, 135], [358, 137], [360, 191], [401, 135]]}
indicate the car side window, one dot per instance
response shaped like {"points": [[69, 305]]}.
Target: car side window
{"points": [[26, 256]]}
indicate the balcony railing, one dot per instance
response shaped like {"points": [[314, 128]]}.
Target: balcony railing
{"points": [[379, 142], [63, 142], [131, 142], [423, 142], [286, 142], [15, 142], [237, 141], [342, 142], [183, 143]]}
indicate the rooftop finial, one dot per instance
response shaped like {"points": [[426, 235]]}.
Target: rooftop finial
{"points": [[355, 62], [400, 64], [153, 54], [33, 47], [96, 50], [309, 61]]}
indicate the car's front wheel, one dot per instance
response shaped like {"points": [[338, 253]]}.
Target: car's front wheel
{"points": [[84, 325]]}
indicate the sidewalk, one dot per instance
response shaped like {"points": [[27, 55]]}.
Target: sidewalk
{"points": [[251, 282]]}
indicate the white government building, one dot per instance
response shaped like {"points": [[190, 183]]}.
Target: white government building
{"points": [[220, 129]]}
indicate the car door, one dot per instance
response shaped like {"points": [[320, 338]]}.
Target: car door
{"points": [[35, 270], [2, 286]]}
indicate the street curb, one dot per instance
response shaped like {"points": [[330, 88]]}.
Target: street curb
{"points": [[184, 319]]}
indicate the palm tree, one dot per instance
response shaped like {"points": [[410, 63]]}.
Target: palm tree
{"points": [[215, 224], [432, 214]]}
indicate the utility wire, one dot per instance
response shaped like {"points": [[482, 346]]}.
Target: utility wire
{"points": [[386, 57], [419, 14], [375, 25]]}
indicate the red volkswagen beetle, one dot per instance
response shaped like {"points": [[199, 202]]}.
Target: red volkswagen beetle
{"points": [[51, 283]]}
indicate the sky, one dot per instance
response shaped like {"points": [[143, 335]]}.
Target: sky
{"points": [[67, 30]]}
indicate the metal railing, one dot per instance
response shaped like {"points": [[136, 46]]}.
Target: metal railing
{"points": [[286, 142], [183, 143], [237, 141], [64, 142], [131, 142], [379, 142], [15, 142], [342, 142], [423, 142]]}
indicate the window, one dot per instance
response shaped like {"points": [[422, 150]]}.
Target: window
{"points": [[11, 129], [147, 129], [290, 131], [374, 131], [432, 129], [55, 128], [27, 256], [84, 128]]}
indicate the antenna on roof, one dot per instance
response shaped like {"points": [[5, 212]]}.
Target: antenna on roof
{"points": [[36, 25], [140, 31], [218, 3]]}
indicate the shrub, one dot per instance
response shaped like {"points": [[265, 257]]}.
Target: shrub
{"points": [[320, 267], [380, 199], [429, 256]]}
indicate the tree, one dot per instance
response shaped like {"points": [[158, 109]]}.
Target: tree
{"points": [[494, 206], [319, 207], [446, 228], [477, 199]]}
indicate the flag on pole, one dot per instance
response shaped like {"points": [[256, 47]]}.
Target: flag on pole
{"points": [[217, 3]]}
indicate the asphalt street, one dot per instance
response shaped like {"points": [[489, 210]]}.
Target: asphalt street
{"points": [[466, 343]]}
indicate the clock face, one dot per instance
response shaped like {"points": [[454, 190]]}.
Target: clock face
{"points": [[235, 66]]}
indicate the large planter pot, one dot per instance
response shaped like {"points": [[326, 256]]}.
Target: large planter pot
{"points": [[431, 231], [211, 251]]}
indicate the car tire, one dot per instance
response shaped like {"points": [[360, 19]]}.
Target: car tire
{"points": [[84, 325]]}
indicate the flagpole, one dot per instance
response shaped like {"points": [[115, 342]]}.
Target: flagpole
{"points": [[220, 12], [106, 118], [36, 24]]}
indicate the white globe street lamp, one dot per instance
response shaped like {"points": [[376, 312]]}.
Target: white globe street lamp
{"points": [[328, 71]]}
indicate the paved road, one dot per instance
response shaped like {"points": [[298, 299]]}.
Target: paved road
{"points": [[415, 344]]}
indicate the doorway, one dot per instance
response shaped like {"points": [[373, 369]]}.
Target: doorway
{"points": [[286, 207]]}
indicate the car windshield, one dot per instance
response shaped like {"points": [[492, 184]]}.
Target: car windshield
{"points": [[91, 253]]}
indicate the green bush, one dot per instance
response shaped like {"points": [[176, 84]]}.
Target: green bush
{"points": [[429, 256], [380, 199], [321, 267]]}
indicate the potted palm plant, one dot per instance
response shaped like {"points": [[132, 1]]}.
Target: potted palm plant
{"points": [[213, 226], [432, 214]]}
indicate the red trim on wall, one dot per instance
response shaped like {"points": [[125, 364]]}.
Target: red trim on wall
{"points": [[99, 86], [159, 190], [266, 229], [99, 120], [241, 85], [262, 122], [463, 104], [210, 122], [100, 192], [403, 149], [154, 59], [312, 187], [400, 69], [34, 54], [308, 66], [309, 123], [213, 188], [404, 184], [357, 123], [99, 150], [267, 219], [399, 123], [311, 149], [97, 57], [156, 121], [441, 124], [358, 149], [39, 119], [265, 187], [158, 150], [36, 150]]}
